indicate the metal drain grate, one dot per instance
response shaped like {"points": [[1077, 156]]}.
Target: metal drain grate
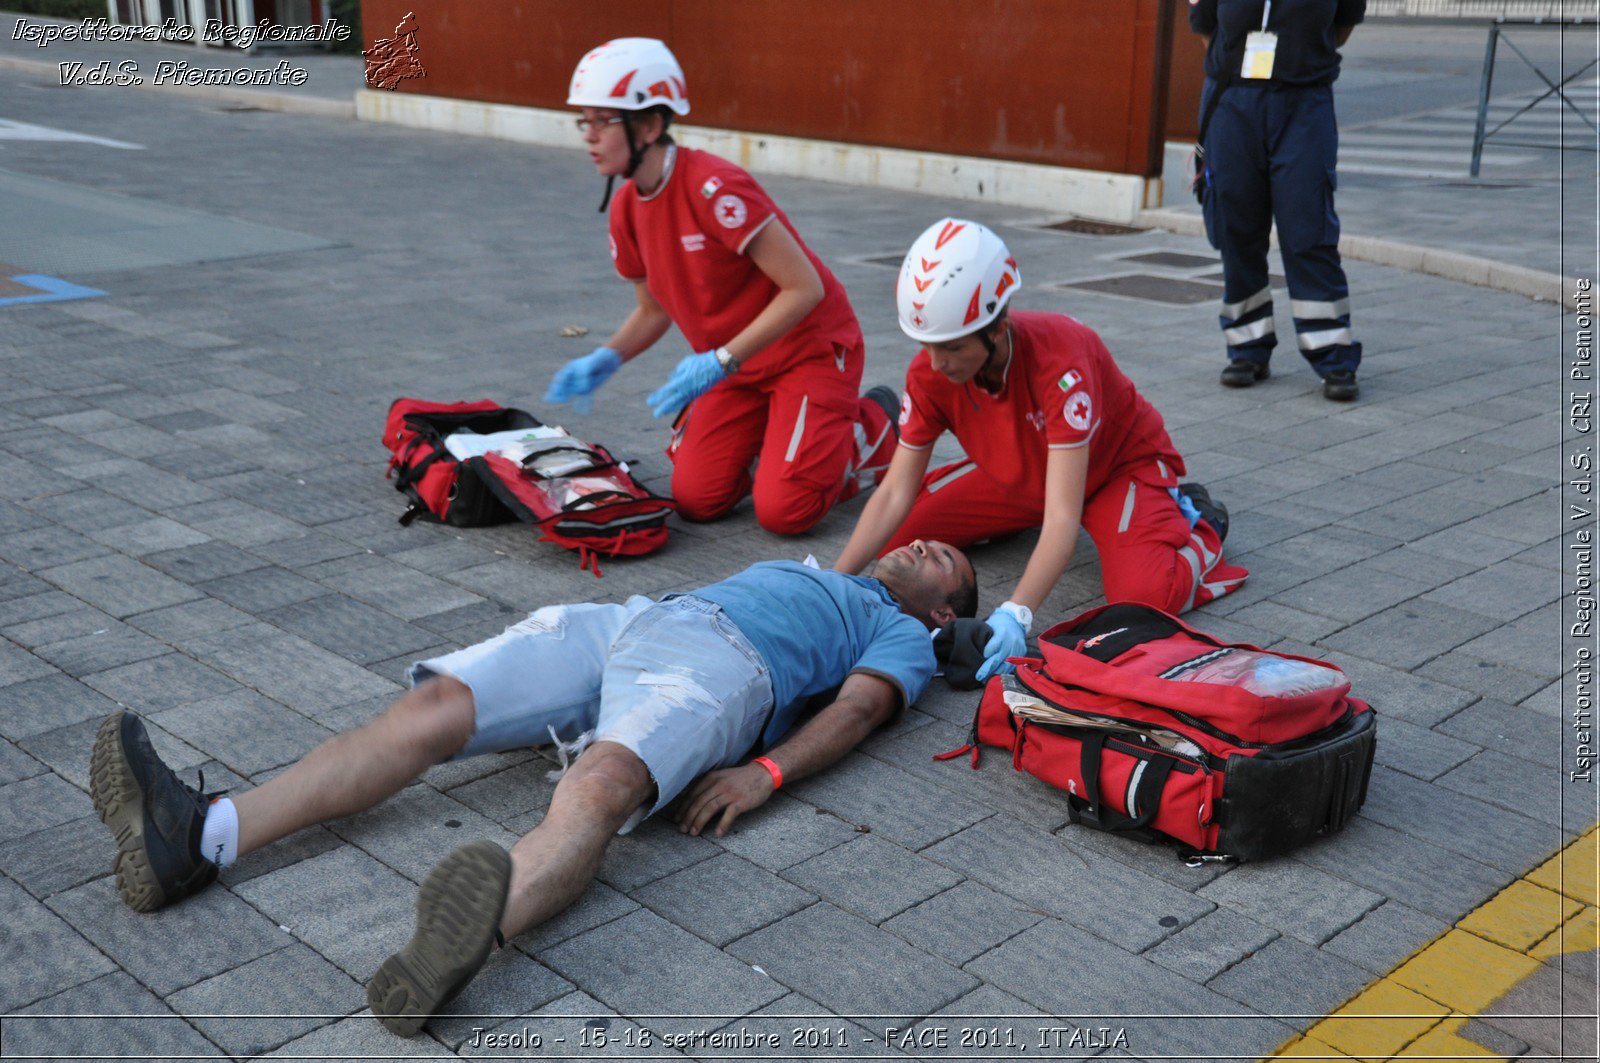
{"points": [[1085, 227], [1169, 260], [1151, 288]]}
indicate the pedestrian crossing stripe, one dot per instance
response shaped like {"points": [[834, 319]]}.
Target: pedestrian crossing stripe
{"points": [[1418, 1010]]}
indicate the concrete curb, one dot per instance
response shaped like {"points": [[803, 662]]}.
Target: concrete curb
{"points": [[1451, 265], [262, 98]]}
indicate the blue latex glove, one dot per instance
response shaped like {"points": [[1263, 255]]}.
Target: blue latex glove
{"points": [[1185, 506], [693, 378], [1009, 639], [578, 380]]}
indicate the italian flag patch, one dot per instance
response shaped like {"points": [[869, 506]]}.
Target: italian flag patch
{"points": [[1069, 380]]}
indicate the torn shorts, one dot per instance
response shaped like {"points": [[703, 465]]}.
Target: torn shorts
{"points": [[673, 681]]}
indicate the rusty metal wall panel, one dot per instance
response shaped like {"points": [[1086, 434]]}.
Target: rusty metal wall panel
{"points": [[1187, 76], [1063, 82]]}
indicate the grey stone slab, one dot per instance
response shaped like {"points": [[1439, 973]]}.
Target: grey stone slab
{"points": [[1418, 751], [113, 1016], [162, 683], [1434, 880], [1532, 643], [783, 832], [102, 649], [1490, 678], [454, 773], [16, 612], [247, 732], [1211, 944], [67, 750], [312, 548], [46, 704], [794, 1028], [400, 590], [262, 589], [1394, 692], [1503, 591], [995, 784], [119, 585], [1089, 890], [203, 561], [1549, 797], [1293, 981], [347, 906], [962, 922], [653, 850], [17, 665], [1205, 1024], [358, 1037], [301, 845], [685, 974], [872, 878], [577, 1025], [1385, 936], [1292, 898], [36, 803], [1353, 592], [444, 558], [180, 623], [288, 669], [1508, 729], [88, 510], [60, 857], [145, 537], [888, 977], [416, 828], [238, 522], [723, 898], [61, 626], [351, 629], [872, 793], [15, 764], [1552, 1013], [287, 497], [44, 548], [397, 670], [209, 933], [1433, 813], [1409, 634], [472, 623], [293, 989], [598, 905], [40, 953]]}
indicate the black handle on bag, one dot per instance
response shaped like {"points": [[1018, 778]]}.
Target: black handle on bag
{"points": [[1146, 799]]}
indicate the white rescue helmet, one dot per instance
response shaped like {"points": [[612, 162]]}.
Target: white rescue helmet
{"points": [[629, 74], [956, 279]]}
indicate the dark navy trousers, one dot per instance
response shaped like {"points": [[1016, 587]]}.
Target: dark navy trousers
{"points": [[1271, 151]]}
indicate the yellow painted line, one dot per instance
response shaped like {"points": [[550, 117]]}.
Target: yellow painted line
{"points": [[1417, 1010]]}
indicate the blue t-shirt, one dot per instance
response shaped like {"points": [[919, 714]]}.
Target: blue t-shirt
{"points": [[814, 627]]}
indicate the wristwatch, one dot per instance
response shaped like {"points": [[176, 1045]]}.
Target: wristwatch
{"points": [[1023, 614], [725, 358]]}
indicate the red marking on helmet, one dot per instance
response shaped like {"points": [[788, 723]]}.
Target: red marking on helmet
{"points": [[972, 307], [661, 88], [1011, 261], [1006, 281], [682, 91], [621, 88], [917, 306], [922, 285], [928, 267], [949, 230]]}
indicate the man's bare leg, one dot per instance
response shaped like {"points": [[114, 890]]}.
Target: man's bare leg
{"points": [[555, 862], [353, 771], [480, 891]]}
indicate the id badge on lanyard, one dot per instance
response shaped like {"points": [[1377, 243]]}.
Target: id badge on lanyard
{"points": [[1260, 49]]}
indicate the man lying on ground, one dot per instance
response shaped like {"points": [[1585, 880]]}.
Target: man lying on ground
{"points": [[669, 698]]}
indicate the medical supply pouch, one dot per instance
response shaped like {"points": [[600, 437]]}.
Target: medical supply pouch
{"points": [[478, 463], [1155, 728]]}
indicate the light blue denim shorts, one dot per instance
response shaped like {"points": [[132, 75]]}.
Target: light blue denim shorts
{"points": [[673, 681]]}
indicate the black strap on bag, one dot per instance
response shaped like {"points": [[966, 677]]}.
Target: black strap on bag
{"points": [[1146, 798]]}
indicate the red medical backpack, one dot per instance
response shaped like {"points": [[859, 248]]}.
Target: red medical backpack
{"points": [[594, 506], [1151, 726]]}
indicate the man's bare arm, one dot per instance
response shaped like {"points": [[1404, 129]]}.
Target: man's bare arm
{"points": [[864, 704]]}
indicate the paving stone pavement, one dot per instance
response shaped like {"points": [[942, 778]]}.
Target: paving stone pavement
{"points": [[194, 524]]}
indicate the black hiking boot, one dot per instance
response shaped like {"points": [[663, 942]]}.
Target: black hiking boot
{"points": [[458, 923], [1212, 512], [155, 817]]}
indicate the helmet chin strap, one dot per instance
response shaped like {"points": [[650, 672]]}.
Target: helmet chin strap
{"points": [[636, 153], [990, 346]]}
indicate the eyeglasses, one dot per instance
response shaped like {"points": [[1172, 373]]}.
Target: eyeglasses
{"points": [[586, 124]]}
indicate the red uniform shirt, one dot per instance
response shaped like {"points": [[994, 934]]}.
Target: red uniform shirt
{"points": [[1061, 390], [688, 242]]}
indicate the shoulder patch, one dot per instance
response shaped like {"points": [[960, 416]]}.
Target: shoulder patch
{"points": [[731, 211], [1078, 410], [709, 189], [1071, 379], [905, 409]]}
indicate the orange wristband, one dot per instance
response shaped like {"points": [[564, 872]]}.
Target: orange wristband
{"points": [[772, 769]]}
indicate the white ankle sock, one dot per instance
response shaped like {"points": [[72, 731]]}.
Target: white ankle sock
{"points": [[219, 838]]}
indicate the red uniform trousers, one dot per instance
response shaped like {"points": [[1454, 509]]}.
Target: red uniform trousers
{"points": [[1148, 551], [812, 432]]}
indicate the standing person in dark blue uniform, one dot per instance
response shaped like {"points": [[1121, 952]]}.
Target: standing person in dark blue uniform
{"points": [[1270, 150]]}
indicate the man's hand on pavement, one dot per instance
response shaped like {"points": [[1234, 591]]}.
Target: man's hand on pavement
{"points": [[728, 792]]}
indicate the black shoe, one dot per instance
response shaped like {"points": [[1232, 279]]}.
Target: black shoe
{"points": [[156, 818], [1340, 385], [1242, 373], [458, 923], [1212, 512], [889, 399]]}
